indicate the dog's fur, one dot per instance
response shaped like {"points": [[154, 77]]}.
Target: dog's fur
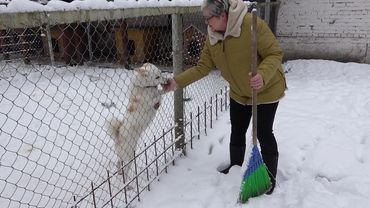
{"points": [[145, 98]]}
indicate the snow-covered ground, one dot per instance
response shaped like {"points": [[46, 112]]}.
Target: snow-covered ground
{"points": [[322, 128]]}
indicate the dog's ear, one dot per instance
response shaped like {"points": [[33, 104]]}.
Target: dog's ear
{"points": [[141, 71]]}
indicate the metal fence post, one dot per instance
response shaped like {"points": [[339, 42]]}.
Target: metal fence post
{"points": [[267, 12], [50, 45], [177, 49]]}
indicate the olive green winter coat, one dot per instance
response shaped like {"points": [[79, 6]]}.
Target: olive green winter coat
{"points": [[232, 56]]}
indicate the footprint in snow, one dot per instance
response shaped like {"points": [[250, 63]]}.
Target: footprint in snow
{"points": [[210, 149]]}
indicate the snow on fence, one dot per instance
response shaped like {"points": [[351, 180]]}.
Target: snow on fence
{"points": [[63, 75]]}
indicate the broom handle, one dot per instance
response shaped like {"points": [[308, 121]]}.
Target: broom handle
{"points": [[254, 72]]}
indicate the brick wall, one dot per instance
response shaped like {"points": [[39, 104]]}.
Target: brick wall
{"points": [[325, 29]]}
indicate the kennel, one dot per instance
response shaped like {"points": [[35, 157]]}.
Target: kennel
{"points": [[140, 43], [193, 44]]}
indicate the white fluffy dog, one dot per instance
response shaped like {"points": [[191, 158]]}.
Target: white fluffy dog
{"points": [[145, 98]]}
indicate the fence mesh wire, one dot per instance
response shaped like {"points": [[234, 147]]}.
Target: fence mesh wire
{"points": [[62, 84]]}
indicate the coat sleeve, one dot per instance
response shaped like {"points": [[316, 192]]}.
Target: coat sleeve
{"points": [[202, 69], [269, 51]]}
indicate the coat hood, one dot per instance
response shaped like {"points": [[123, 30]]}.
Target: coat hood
{"points": [[237, 10]]}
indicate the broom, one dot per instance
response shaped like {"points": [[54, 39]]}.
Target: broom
{"points": [[256, 180]]}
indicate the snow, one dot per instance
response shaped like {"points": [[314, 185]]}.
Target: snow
{"points": [[322, 129], [57, 5]]}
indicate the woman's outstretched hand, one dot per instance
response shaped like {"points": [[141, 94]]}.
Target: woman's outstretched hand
{"points": [[170, 85]]}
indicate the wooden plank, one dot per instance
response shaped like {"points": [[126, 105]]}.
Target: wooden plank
{"points": [[37, 19]]}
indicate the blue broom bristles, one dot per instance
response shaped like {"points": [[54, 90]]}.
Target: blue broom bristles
{"points": [[256, 180], [254, 162]]}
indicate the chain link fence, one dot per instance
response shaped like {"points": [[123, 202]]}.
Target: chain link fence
{"points": [[65, 75]]}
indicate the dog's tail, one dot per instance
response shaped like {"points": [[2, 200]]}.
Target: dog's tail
{"points": [[113, 125]]}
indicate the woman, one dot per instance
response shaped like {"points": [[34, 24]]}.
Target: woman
{"points": [[228, 48]]}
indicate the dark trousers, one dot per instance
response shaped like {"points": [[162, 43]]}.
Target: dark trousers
{"points": [[240, 116]]}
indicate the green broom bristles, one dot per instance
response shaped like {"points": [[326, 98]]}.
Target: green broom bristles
{"points": [[256, 180]]}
